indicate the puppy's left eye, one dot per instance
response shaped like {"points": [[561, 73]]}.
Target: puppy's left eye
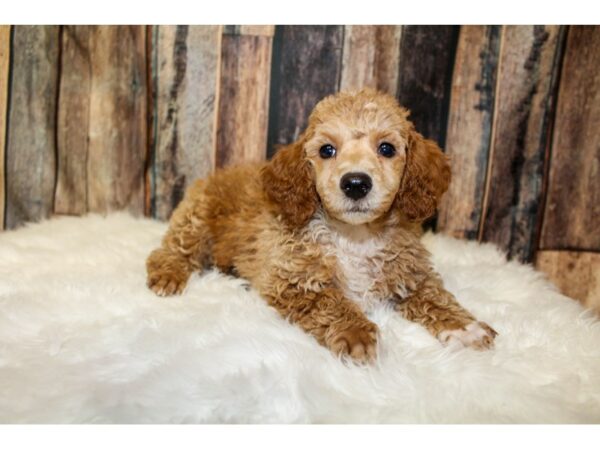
{"points": [[386, 149]]}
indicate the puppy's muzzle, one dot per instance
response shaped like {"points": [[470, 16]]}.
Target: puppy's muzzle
{"points": [[356, 185]]}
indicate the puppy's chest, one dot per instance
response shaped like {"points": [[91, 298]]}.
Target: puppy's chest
{"points": [[363, 267]]}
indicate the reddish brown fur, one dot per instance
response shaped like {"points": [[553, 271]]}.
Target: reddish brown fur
{"points": [[276, 224]]}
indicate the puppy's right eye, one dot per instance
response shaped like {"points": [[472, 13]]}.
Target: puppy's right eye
{"points": [[327, 151]]}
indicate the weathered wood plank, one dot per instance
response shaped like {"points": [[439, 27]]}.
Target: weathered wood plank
{"points": [[469, 129], [73, 121], [111, 146], [30, 150], [4, 68], [251, 30], [371, 57], [426, 59], [572, 212], [576, 274], [527, 82], [187, 65], [307, 64], [243, 99]]}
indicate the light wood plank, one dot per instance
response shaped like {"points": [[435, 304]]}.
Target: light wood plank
{"points": [[31, 148], [527, 82], [576, 274], [243, 99], [250, 30], [371, 57], [307, 63], [4, 68], [469, 129], [74, 121], [572, 212], [187, 74], [108, 102]]}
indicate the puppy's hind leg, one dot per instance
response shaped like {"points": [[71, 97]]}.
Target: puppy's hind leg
{"points": [[184, 248]]}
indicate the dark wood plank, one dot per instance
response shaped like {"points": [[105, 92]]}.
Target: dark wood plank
{"points": [[576, 274], [109, 152], [426, 59], [30, 151], [371, 56], [307, 64], [4, 68], [572, 211], [243, 99], [527, 82], [186, 62], [469, 129]]}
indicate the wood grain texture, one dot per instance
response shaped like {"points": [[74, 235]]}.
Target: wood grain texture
{"points": [[470, 129], [371, 56], [572, 211], [4, 72], [426, 59], [102, 127], [251, 30], [73, 121], [186, 67], [243, 99], [307, 63], [576, 274], [30, 149], [527, 82]]}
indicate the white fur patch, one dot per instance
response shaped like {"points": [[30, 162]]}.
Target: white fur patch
{"points": [[356, 251], [82, 339], [470, 335]]}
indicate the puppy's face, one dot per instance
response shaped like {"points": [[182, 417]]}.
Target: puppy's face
{"points": [[358, 157], [357, 145]]}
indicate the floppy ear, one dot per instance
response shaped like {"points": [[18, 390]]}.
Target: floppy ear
{"points": [[288, 181], [426, 177]]}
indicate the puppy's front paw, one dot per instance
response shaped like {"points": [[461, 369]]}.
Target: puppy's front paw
{"points": [[359, 342], [166, 283], [477, 335], [167, 274]]}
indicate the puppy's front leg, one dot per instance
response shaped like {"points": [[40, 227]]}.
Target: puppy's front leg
{"points": [[437, 310], [333, 320], [184, 247]]}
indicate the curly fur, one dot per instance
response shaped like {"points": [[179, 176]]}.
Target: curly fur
{"points": [[315, 255]]}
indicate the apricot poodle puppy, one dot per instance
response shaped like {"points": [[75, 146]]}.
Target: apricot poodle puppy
{"points": [[327, 228]]}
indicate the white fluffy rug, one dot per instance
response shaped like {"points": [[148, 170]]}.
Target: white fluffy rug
{"points": [[83, 340]]}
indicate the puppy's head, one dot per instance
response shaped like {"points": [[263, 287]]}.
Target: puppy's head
{"points": [[359, 157]]}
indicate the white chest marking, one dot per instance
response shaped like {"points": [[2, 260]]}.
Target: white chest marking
{"points": [[359, 260]]}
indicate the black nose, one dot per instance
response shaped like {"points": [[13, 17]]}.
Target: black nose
{"points": [[356, 185]]}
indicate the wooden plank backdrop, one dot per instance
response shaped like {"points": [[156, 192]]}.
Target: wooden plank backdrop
{"points": [[101, 118], [371, 57], [185, 70], [527, 75], [4, 65], [31, 135], [244, 95], [470, 129], [572, 215], [307, 63]]}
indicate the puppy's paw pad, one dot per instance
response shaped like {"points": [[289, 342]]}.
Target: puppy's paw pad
{"points": [[477, 335], [360, 343], [166, 284]]}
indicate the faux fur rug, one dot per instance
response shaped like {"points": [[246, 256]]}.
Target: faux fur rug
{"points": [[83, 340]]}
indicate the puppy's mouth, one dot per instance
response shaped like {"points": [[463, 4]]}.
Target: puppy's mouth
{"points": [[358, 210]]}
